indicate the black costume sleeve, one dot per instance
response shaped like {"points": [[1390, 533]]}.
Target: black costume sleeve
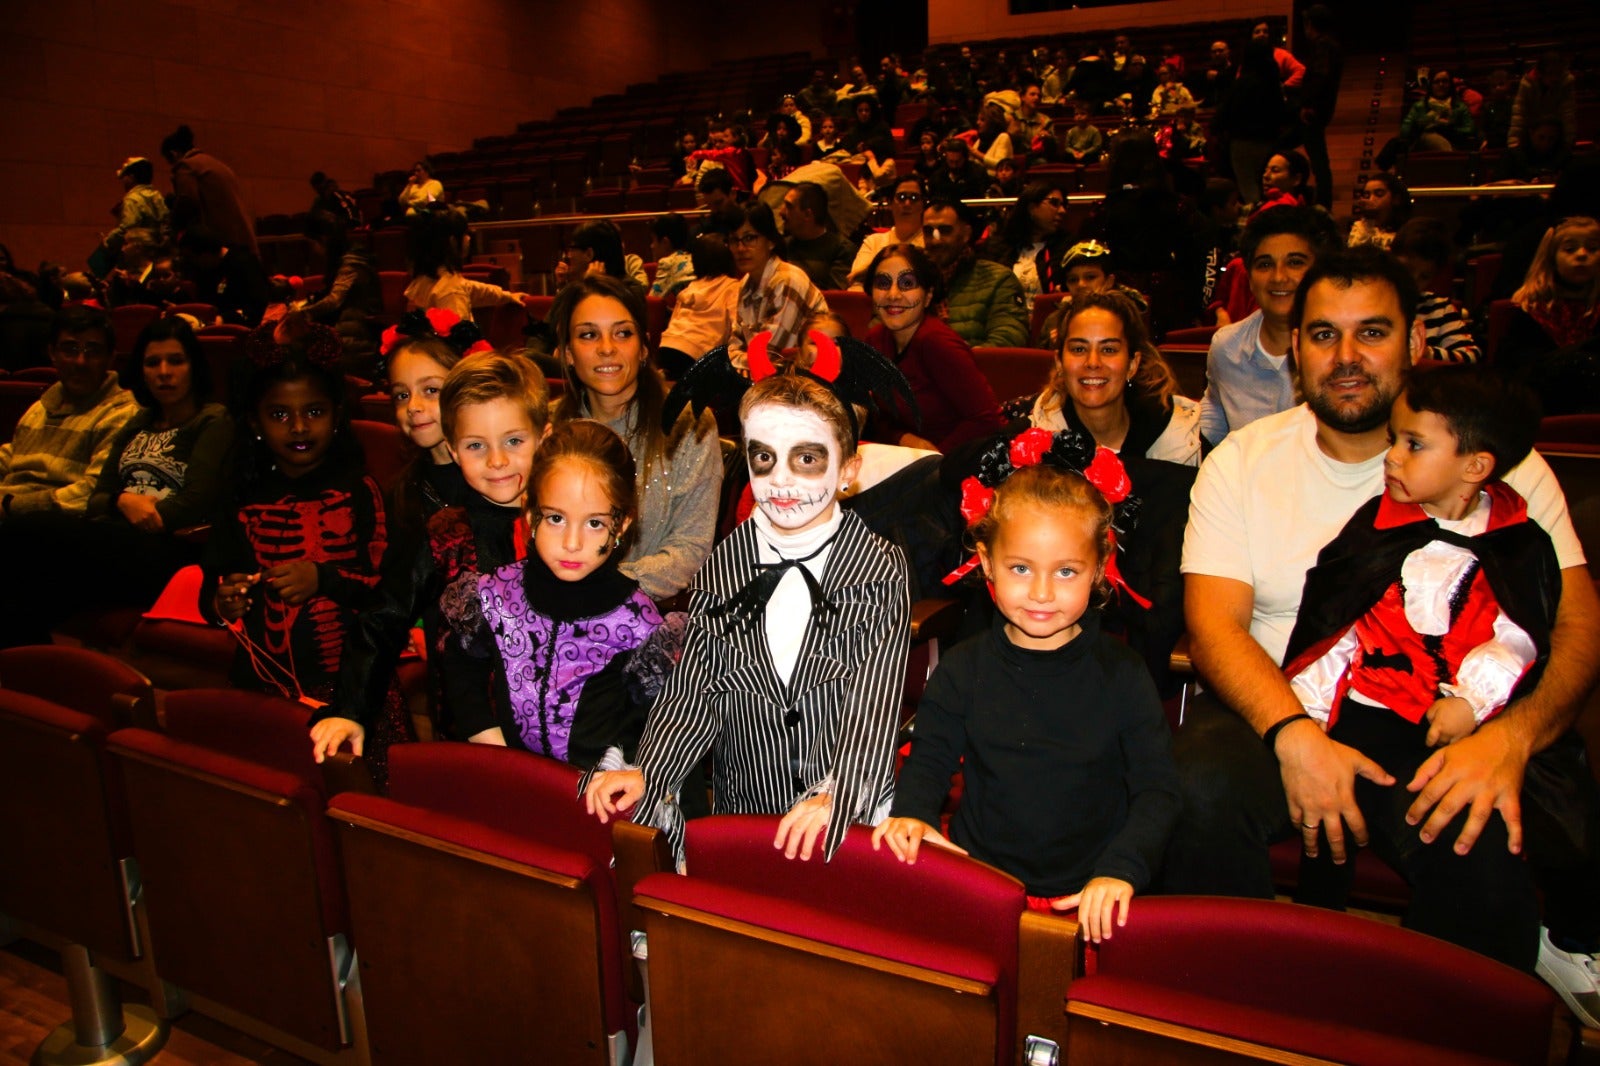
{"points": [[380, 632], [1151, 776]]}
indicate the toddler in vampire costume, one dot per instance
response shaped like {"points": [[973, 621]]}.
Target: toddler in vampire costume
{"points": [[1429, 612], [798, 625]]}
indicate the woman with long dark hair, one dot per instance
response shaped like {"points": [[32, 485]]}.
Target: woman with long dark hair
{"points": [[1032, 241]]}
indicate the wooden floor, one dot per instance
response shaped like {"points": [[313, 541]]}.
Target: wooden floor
{"points": [[33, 1001]]}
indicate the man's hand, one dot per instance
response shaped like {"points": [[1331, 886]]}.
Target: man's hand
{"points": [[1481, 773], [1319, 778]]}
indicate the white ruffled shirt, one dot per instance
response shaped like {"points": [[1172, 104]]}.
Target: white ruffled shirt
{"points": [[1429, 578]]}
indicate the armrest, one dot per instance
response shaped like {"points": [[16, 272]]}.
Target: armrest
{"points": [[934, 619], [639, 851], [344, 772], [1049, 956]]}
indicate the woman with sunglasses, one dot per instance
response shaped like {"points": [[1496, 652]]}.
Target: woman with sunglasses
{"points": [[953, 397], [1033, 239], [774, 295], [905, 209]]}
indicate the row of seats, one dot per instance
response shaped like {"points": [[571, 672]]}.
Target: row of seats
{"points": [[477, 914]]}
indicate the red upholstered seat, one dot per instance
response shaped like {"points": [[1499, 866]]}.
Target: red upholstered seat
{"points": [[1014, 372], [505, 828], [387, 450], [1307, 981], [245, 900], [814, 928], [128, 321], [852, 305], [1044, 305], [85, 681]]}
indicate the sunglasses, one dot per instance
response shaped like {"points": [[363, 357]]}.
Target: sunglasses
{"points": [[905, 282], [908, 197]]}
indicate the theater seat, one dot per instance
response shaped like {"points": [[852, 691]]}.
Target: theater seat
{"points": [[522, 909], [1015, 372], [753, 957], [852, 305], [245, 902], [1211, 979], [66, 870]]}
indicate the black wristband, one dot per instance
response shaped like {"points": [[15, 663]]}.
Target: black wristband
{"points": [[1270, 737]]}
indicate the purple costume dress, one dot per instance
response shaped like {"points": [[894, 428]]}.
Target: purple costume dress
{"points": [[568, 685]]}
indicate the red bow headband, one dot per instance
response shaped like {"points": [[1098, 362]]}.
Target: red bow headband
{"points": [[463, 337], [1066, 450]]}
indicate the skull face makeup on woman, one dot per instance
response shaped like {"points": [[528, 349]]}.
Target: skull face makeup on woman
{"points": [[796, 466]]}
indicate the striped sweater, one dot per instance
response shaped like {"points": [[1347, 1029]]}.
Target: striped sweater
{"points": [[55, 456], [830, 728], [1449, 330]]}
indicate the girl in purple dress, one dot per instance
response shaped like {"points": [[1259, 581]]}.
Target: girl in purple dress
{"points": [[566, 652]]}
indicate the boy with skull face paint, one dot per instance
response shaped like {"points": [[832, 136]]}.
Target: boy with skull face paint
{"points": [[798, 628]]}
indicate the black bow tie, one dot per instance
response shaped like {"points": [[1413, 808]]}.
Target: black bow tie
{"points": [[747, 606]]}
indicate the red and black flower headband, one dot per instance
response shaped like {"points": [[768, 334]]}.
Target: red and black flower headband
{"points": [[272, 343], [1067, 449], [462, 335]]}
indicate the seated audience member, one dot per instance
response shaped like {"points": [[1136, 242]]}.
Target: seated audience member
{"points": [[230, 279], [929, 159], [1138, 85], [436, 244], [1383, 670], [205, 192], [776, 296], [1440, 121], [1286, 180], [1110, 381], [954, 399], [1547, 93], [818, 96], [595, 247], [1182, 138], [1214, 237], [706, 308], [961, 178], [1494, 114], [669, 241], [1382, 206], [1553, 340], [353, 300], [992, 142], [826, 142], [600, 331], [1248, 374], [142, 216], [164, 472], [61, 443], [333, 203], [1031, 130], [871, 140], [790, 107], [715, 192], [1094, 79], [812, 241], [1170, 96], [905, 211], [1006, 184], [421, 189], [1540, 156], [1030, 241], [1423, 248], [1245, 562], [1087, 267], [1077, 790], [685, 146], [1083, 141], [983, 300], [726, 150], [1218, 74], [492, 413]]}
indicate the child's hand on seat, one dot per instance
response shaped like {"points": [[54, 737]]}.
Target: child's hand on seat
{"points": [[328, 735], [612, 791], [1451, 719], [294, 582], [1097, 907], [905, 837], [798, 832]]}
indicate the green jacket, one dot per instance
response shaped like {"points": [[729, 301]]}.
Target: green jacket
{"points": [[985, 306]]}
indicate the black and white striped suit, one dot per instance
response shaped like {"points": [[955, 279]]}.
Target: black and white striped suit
{"points": [[725, 695]]}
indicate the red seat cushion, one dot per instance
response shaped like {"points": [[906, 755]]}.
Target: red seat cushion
{"points": [[266, 730], [1311, 966]]}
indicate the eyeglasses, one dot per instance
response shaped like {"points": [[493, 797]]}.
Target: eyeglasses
{"points": [[908, 197], [1055, 201], [743, 240], [72, 349], [905, 282]]}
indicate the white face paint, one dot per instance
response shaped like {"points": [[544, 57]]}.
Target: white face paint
{"points": [[795, 465]]}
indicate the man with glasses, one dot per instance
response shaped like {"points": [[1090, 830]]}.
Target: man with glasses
{"points": [[62, 441], [905, 209], [983, 299]]}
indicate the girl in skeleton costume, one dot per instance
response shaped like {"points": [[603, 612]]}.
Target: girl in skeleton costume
{"points": [[295, 555], [798, 625], [570, 649]]}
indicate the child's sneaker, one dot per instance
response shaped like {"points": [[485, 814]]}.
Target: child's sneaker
{"points": [[1575, 976]]}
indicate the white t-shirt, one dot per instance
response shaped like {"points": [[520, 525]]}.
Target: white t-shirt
{"points": [[1267, 500]]}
